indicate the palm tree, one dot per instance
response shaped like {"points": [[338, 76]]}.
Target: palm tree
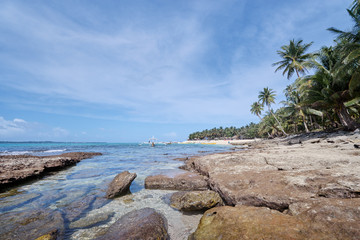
{"points": [[295, 58], [355, 7], [257, 108], [328, 89], [267, 97]]}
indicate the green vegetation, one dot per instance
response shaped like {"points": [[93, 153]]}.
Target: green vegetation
{"points": [[328, 98]]}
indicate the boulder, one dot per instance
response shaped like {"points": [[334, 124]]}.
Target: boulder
{"points": [[185, 181], [195, 200], [32, 224], [120, 184], [145, 223], [254, 223]]}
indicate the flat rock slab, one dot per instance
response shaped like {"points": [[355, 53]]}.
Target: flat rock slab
{"points": [[195, 200], [31, 224], [275, 174], [120, 184], [340, 215], [145, 223], [255, 223], [185, 181], [17, 168]]}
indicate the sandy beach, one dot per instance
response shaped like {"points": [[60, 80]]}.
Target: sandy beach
{"points": [[221, 142]]}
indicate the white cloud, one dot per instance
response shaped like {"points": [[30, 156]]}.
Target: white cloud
{"points": [[153, 68], [14, 127]]}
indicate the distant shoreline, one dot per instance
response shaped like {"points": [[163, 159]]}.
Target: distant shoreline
{"points": [[221, 142]]}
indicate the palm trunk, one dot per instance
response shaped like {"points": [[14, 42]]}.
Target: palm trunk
{"points": [[305, 125], [345, 118], [277, 122]]}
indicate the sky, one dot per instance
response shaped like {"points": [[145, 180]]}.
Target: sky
{"points": [[124, 71]]}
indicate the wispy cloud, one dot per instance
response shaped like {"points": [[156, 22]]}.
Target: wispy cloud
{"points": [[198, 61]]}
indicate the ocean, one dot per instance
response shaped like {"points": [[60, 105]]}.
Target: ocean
{"points": [[82, 188]]}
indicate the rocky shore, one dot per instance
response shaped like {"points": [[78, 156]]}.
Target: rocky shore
{"points": [[300, 187], [304, 187], [15, 169]]}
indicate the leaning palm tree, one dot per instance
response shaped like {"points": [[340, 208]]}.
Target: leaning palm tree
{"points": [[295, 58], [257, 108], [267, 97]]}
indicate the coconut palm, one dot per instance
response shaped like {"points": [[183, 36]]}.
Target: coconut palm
{"points": [[355, 7], [267, 97], [257, 108], [328, 88], [295, 58]]}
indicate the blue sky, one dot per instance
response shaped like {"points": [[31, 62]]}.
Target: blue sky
{"points": [[124, 71]]}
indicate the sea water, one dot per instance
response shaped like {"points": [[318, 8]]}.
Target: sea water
{"points": [[88, 181]]}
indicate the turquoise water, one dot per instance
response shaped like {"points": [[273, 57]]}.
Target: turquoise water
{"points": [[88, 181]]}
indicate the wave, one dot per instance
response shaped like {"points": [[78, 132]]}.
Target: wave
{"points": [[32, 152]]}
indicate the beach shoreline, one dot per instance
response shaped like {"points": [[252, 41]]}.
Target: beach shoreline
{"points": [[222, 142]]}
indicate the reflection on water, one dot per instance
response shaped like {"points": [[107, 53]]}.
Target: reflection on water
{"points": [[79, 192]]}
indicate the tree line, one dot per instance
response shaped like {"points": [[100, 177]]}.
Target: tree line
{"points": [[328, 98]]}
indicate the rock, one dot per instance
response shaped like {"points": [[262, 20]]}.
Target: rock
{"points": [[340, 215], [260, 189], [120, 184], [31, 224], [91, 220], [17, 168], [185, 181], [50, 236], [254, 223], [195, 200], [14, 201], [75, 209], [278, 175], [145, 223]]}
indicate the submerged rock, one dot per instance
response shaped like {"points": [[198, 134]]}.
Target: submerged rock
{"points": [[195, 200], [31, 225], [75, 209], [254, 223], [17, 200], [49, 236], [186, 181], [120, 184], [91, 220], [145, 223]]}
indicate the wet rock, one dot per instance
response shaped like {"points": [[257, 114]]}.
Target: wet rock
{"points": [[340, 215], [254, 223], [91, 220], [195, 200], [17, 168], [145, 223], [12, 202], [185, 181], [50, 236], [75, 209], [31, 224], [120, 184]]}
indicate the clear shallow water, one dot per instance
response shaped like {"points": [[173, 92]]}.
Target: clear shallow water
{"points": [[88, 181]]}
